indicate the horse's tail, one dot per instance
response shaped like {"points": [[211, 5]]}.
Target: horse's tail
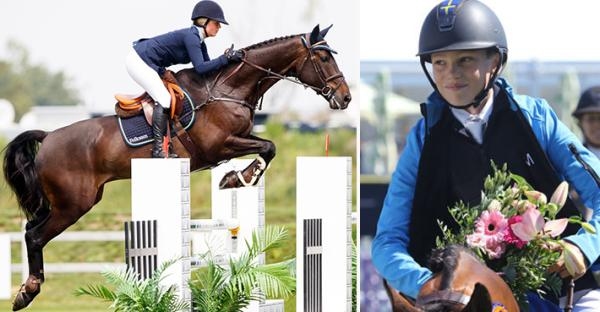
{"points": [[21, 174]]}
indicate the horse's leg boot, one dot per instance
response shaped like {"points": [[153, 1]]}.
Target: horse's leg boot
{"points": [[159, 125]]}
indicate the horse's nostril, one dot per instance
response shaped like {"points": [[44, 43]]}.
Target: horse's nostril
{"points": [[347, 98]]}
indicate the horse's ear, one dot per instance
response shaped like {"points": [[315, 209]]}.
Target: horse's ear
{"points": [[314, 35], [480, 300], [323, 32]]}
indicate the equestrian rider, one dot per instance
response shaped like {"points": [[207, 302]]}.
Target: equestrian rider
{"points": [[588, 117], [149, 57], [471, 118]]}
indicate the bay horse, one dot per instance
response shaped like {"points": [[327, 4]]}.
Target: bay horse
{"points": [[59, 176], [461, 282]]}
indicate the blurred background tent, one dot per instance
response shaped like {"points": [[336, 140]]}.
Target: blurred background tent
{"points": [[385, 118]]}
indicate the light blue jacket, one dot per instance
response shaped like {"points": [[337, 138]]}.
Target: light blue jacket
{"points": [[389, 250]]}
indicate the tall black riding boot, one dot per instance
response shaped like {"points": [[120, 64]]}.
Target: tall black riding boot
{"points": [[159, 125]]}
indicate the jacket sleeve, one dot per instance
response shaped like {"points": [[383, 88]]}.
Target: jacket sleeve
{"points": [[555, 137], [199, 56], [390, 246]]}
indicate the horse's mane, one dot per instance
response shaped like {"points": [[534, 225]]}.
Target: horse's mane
{"points": [[446, 260], [269, 41]]}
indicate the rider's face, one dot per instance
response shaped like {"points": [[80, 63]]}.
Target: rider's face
{"points": [[590, 126], [212, 28], [461, 75]]}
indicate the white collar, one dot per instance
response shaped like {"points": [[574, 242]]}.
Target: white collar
{"points": [[200, 33], [463, 116]]}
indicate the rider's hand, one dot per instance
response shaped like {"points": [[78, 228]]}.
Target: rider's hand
{"points": [[572, 262], [234, 56]]}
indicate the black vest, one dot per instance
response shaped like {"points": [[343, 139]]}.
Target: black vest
{"points": [[453, 167]]}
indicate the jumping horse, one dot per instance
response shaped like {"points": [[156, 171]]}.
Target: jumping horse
{"points": [[461, 282], [59, 176]]}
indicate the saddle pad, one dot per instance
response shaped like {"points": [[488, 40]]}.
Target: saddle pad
{"points": [[137, 132]]}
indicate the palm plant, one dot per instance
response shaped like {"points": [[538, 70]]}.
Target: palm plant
{"points": [[219, 288], [133, 294]]}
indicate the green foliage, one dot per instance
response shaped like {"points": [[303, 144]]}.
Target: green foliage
{"points": [[524, 264], [25, 84], [230, 288], [132, 294]]}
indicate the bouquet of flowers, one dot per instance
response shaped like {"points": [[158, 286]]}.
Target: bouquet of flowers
{"points": [[515, 231]]}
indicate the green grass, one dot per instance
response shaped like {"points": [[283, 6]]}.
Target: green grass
{"points": [[115, 208]]}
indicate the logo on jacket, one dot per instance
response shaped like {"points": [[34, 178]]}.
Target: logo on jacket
{"points": [[529, 160]]}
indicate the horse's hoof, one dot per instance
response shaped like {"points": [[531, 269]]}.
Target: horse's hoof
{"points": [[23, 298], [229, 180]]}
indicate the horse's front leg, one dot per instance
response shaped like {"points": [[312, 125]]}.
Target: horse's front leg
{"points": [[251, 174]]}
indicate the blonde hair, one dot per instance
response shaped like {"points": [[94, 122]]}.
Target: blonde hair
{"points": [[200, 21]]}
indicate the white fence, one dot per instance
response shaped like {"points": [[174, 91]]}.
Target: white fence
{"points": [[7, 267]]}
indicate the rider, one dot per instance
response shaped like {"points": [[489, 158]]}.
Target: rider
{"points": [[472, 117], [588, 117], [149, 57]]}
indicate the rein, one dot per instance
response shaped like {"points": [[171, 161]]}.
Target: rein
{"points": [[326, 91]]}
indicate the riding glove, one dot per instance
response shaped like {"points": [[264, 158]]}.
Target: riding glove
{"points": [[234, 56]]}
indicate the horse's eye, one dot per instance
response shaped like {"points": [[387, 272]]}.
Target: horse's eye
{"points": [[324, 58]]}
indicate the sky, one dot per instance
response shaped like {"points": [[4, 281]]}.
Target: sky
{"points": [[89, 40], [535, 29]]}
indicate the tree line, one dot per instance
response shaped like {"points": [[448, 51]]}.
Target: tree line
{"points": [[26, 84]]}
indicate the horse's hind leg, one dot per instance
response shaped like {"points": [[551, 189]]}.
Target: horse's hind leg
{"points": [[43, 228], [251, 174], [35, 259]]}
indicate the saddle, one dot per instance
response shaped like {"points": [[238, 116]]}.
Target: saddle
{"points": [[129, 105]]}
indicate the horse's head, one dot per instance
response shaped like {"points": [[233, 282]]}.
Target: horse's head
{"points": [[320, 71], [460, 283], [463, 283]]}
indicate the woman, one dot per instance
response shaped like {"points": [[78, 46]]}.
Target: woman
{"points": [[588, 117], [471, 118], [149, 57]]}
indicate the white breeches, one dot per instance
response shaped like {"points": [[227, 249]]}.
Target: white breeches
{"points": [[147, 78]]}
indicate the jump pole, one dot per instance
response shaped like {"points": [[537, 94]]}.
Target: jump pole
{"points": [[324, 234], [170, 205]]}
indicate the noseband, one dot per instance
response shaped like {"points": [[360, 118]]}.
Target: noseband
{"points": [[443, 296], [327, 92]]}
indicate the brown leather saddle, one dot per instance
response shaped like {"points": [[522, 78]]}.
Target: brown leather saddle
{"points": [[131, 105]]}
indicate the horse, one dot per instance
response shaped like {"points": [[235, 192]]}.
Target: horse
{"points": [[460, 282], [59, 176]]}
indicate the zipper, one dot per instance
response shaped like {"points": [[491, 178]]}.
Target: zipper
{"points": [[585, 165]]}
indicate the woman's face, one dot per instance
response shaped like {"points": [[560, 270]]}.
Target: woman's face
{"points": [[212, 28], [461, 75], [590, 126]]}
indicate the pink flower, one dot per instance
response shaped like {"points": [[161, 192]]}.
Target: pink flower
{"points": [[533, 224], [509, 235], [489, 233]]}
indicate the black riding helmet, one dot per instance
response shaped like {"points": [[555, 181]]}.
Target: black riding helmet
{"points": [[462, 25], [209, 9], [589, 102]]}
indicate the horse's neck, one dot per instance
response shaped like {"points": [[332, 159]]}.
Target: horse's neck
{"points": [[277, 57], [244, 81]]}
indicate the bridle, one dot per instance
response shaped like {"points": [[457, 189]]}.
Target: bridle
{"points": [[326, 91], [443, 296]]}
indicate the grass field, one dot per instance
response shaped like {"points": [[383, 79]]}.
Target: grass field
{"points": [[115, 207]]}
